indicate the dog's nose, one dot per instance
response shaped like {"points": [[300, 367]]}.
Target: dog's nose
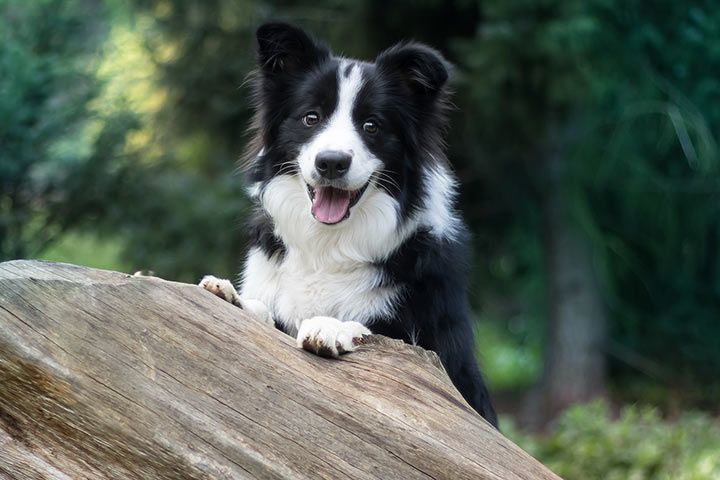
{"points": [[332, 164]]}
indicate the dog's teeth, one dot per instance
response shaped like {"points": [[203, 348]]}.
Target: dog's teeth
{"points": [[311, 192]]}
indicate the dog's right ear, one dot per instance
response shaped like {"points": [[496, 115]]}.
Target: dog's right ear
{"points": [[284, 48]]}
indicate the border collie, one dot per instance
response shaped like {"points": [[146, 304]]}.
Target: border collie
{"points": [[356, 229]]}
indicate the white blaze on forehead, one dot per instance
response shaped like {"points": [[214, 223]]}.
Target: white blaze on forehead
{"points": [[340, 133], [349, 83]]}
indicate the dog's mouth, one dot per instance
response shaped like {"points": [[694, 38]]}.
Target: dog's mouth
{"points": [[332, 205]]}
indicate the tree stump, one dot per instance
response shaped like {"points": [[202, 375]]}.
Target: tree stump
{"points": [[108, 376]]}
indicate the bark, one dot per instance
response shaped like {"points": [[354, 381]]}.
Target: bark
{"points": [[104, 375], [575, 369]]}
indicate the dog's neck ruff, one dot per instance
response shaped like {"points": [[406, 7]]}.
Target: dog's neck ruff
{"points": [[370, 234], [373, 231]]}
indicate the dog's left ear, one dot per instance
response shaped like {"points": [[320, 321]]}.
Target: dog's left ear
{"points": [[422, 69], [284, 48]]}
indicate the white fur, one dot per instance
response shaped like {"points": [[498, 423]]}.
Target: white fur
{"points": [[341, 134], [257, 310], [253, 190], [327, 270], [438, 213], [330, 334], [295, 291]]}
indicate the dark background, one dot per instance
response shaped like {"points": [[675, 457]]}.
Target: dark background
{"points": [[585, 138]]}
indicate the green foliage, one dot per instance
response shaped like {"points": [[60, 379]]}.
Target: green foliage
{"points": [[653, 186], [190, 227], [55, 171], [201, 55], [510, 360], [621, 92], [587, 444], [88, 249], [168, 63]]}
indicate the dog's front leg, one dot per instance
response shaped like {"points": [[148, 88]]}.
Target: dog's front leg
{"points": [[225, 290], [329, 337]]}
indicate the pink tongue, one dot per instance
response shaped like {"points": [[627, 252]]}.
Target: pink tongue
{"points": [[330, 205]]}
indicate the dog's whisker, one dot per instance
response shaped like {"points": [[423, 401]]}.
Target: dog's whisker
{"points": [[288, 167], [384, 179]]}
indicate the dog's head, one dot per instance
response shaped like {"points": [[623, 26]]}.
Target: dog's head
{"points": [[350, 134]]}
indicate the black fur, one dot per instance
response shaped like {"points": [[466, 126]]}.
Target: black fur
{"points": [[261, 235], [434, 312], [405, 91]]}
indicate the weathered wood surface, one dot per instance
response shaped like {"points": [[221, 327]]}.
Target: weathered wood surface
{"points": [[104, 375]]}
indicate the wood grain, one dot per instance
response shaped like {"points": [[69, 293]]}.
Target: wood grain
{"points": [[104, 375]]}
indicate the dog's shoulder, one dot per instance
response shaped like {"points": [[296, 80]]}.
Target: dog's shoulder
{"points": [[428, 256], [261, 234]]}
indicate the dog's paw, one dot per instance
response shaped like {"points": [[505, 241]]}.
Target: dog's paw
{"points": [[225, 290], [329, 337], [222, 288]]}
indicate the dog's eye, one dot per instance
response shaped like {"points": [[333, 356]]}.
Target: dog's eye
{"points": [[311, 119], [370, 127]]}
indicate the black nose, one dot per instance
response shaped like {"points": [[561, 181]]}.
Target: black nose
{"points": [[332, 164]]}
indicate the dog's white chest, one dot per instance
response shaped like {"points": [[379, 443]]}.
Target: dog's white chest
{"points": [[296, 290]]}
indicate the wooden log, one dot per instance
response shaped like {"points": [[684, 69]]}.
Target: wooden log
{"points": [[105, 375]]}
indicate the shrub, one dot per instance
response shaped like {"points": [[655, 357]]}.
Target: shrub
{"points": [[586, 444]]}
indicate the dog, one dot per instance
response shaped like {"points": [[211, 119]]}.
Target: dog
{"points": [[356, 229]]}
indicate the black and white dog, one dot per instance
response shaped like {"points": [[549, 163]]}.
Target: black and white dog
{"points": [[356, 228]]}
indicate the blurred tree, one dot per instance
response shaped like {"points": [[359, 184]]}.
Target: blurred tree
{"points": [[202, 54], [654, 189], [588, 121], [57, 168], [195, 57], [530, 98]]}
